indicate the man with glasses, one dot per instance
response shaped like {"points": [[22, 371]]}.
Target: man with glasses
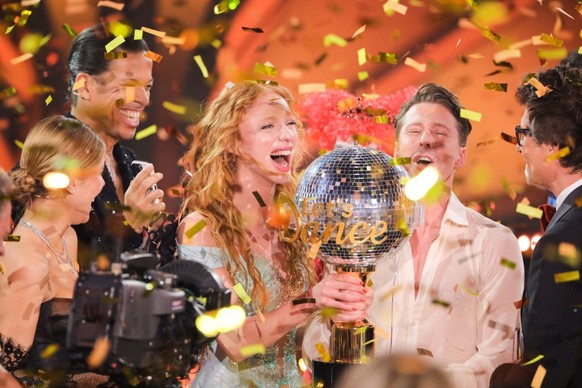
{"points": [[549, 138]]}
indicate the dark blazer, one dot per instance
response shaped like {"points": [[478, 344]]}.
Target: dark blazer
{"points": [[551, 313]]}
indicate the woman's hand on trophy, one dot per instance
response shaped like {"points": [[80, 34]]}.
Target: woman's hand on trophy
{"points": [[344, 293], [143, 199]]}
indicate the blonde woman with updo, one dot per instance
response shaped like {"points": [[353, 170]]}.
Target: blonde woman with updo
{"points": [[39, 270], [245, 154]]}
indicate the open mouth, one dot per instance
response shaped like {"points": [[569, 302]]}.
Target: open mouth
{"points": [[281, 158], [423, 160]]}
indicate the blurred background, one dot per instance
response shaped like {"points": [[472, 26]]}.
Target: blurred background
{"points": [[481, 50]]}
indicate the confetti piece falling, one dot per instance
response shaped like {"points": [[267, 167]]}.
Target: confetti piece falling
{"points": [[441, 303], [504, 55], [334, 40], [539, 376], [471, 292], [564, 277], [49, 351], [253, 29], [12, 238], [48, 100], [175, 108], [424, 352], [363, 75], [259, 199], [470, 115], [362, 56], [325, 357], [137, 34], [154, 56], [359, 31], [488, 141], [201, 65], [197, 227], [176, 40], [496, 87], [116, 55], [549, 39], [311, 88], [151, 31], [9, 29], [111, 4], [8, 92], [99, 352], [507, 263], [20, 59], [399, 161], [534, 360], [241, 293], [421, 67], [553, 54], [19, 144], [267, 70], [392, 6], [558, 154], [79, 84], [151, 130], [118, 40], [529, 211], [69, 30]]}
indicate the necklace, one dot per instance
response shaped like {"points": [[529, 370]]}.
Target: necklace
{"points": [[63, 258]]}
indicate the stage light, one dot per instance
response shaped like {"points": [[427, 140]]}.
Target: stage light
{"points": [[534, 240], [55, 180], [417, 187], [524, 243]]}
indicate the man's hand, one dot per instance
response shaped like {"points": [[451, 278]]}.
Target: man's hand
{"points": [[346, 293], [143, 202]]}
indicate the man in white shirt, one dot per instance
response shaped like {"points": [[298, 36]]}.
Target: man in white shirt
{"points": [[549, 138], [449, 293]]}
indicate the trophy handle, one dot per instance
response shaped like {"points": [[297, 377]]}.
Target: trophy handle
{"points": [[352, 342]]}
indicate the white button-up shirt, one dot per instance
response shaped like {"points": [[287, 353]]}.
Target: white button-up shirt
{"points": [[464, 314]]}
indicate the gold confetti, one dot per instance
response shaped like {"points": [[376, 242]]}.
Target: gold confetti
{"points": [[334, 40], [570, 254], [441, 303], [197, 227], [564, 277], [492, 36], [421, 67], [558, 154], [12, 238], [424, 352], [488, 142], [399, 161], [529, 211], [259, 199], [314, 250], [49, 351], [175, 108], [504, 55], [471, 292], [151, 130], [470, 115], [111, 4], [250, 350], [507, 263], [362, 56], [551, 40], [137, 34], [241, 293], [362, 75], [151, 31], [384, 57], [325, 357], [48, 100], [392, 6], [116, 55], [496, 87], [154, 56], [175, 40], [116, 42], [9, 29], [328, 312], [552, 54], [534, 360], [311, 88], [201, 65], [359, 31], [69, 30], [19, 144], [270, 71], [253, 29], [79, 84], [99, 352], [538, 378], [8, 92], [21, 58]]}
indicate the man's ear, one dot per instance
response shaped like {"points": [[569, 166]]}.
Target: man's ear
{"points": [[82, 86], [462, 158], [396, 151]]}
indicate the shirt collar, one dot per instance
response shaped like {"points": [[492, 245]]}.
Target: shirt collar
{"points": [[456, 211], [560, 199]]}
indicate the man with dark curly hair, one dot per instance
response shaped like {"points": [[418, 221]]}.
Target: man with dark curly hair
{"points": [[549, 138]]}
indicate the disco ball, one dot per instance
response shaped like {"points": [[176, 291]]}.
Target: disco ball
{"points": [[351, 201]]}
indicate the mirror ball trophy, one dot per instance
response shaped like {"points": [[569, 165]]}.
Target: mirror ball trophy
{"points": [[351, 201]]}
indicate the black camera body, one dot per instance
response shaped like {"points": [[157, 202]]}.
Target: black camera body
{"points": [[147, 315]]}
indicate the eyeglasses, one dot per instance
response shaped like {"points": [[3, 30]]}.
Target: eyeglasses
{"points": [[521, 133]]}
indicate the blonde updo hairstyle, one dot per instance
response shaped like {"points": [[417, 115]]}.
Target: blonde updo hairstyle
{"points": [[56, 143]]}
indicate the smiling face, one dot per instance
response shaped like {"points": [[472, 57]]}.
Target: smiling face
{"points": [[268, 137], [112, 102], [429, 135]]}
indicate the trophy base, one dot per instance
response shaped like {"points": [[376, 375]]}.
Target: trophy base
{"points": [[327, 373]]}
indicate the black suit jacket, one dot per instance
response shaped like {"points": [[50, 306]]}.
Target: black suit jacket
{"points": [[552, 308]]}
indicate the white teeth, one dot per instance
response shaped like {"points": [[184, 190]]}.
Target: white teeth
{"points": [[424, 160], [130, 114], [281, 153]]}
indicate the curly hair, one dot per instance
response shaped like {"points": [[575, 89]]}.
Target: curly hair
{"points": [[56, 143], [6, 189], [211, 189], [556, 117], [431, 92]]}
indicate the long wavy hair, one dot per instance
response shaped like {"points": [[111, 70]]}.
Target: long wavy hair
{"points": [[211, 188]]}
